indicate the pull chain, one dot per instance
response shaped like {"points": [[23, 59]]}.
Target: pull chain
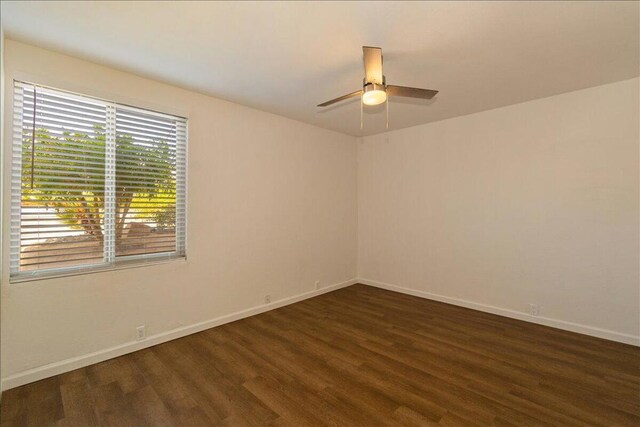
{"points": [[387, 108], [361, 113]]}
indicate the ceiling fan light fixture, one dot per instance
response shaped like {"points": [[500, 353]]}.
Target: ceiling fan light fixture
{"points": [[375, 90], [374, 94]]}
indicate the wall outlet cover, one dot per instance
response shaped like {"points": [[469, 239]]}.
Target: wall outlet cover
{"points": [[534, 310], [141, 332]]}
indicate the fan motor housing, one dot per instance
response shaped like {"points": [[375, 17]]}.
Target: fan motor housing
{"points": [[369, 86]]}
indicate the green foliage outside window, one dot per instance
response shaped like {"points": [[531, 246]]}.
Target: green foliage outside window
{"points": [[69, 176]]}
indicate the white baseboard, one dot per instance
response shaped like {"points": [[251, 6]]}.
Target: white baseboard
{"points": [[67, 365], [554, 323]]}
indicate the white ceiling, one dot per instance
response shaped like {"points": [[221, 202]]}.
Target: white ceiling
{"points": [[286, 57]]}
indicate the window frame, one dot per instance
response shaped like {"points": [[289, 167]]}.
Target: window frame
{"points": [[110, 261]]}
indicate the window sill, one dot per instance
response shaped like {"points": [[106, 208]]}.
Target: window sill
{"points": [[78, 271]]}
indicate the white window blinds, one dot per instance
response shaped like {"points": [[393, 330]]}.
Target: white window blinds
{"points": [[94, 184]]}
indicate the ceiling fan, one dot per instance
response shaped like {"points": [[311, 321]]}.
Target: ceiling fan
{"points": [[375, 90]]}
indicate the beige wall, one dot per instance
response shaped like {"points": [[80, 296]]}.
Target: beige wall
{"points": [[272, 209], [531, 203]]}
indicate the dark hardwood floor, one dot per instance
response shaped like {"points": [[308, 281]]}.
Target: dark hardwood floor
{"points": [[357, 356]]}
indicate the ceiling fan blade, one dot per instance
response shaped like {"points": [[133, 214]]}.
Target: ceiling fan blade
{"points": [[372, 57], [411, 92], [341, 98]]}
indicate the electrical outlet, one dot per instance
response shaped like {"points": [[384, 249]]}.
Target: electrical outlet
{"points": [[317, 284], [141, 332], [534, 310], [267, 299]]}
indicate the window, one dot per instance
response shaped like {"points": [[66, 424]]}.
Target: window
{"points": [[94, 184]]}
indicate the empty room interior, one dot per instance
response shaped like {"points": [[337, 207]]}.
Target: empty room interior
{"points": [[320, 213]]}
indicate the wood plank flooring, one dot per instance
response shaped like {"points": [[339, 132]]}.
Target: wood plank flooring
{"points": [[359, 356]]}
